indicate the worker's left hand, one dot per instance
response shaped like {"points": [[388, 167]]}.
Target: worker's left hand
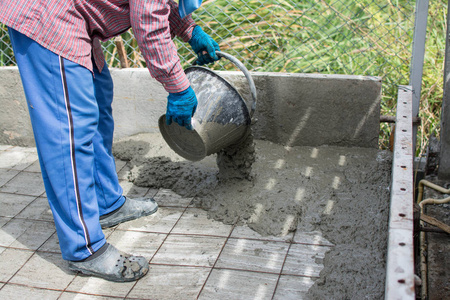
{"points": [[181, 108], [204, 46]]}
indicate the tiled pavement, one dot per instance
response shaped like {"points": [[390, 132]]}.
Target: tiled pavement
{"points": [[190, 255]]}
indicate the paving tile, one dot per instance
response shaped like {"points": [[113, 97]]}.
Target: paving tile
{"points": [[162, 221], [13, 230], [39, 209], [5, 147], [195, 221], [135, 242], [231, 284], [45, 270], [51, 245], [124, 172], [304, 260], [131, 190], [10, 158], [252, 255], [35, 235], [293, 287], [23, 149], [108, 231], [311, 237], [26, 161], [170, 282], [6, 175], [166, 197], [100, 287], [34, 167], [247, 232], [189, 250], [120, 164], [76, 296], [11, 260], [4, 220], [12, 291], [12, 204], [25, 183]]}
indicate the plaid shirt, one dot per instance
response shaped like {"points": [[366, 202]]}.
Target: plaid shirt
{"points": [[72, 29]]}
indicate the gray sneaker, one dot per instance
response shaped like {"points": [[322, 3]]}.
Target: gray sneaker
{"points": [[130, 210], [113, 265]]}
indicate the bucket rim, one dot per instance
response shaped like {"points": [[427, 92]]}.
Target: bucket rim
{"points": [[220, 78]]}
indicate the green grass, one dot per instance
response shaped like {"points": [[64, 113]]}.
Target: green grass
{"points": [[361, 37]]}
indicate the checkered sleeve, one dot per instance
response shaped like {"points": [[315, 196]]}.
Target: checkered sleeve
{"points": [[152, 23], [178, 26]]}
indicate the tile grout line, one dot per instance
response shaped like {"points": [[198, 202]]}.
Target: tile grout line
{"points": [[18, 194], [230, 237], [215, 262], [29, 258], [90, 294], [162, 243], [34, 253], [15, 216], [18, 172], [282, 267], [33, 287]]}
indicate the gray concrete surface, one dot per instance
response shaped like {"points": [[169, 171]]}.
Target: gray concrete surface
{"points": [[293, 109], [311, 189]]}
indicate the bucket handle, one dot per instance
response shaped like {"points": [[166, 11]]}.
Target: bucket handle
{"points": [[251, 83]]}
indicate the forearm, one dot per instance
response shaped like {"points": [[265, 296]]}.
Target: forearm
{"points": [[179, 27]]}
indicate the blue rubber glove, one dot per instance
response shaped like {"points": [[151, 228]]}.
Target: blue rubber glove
{"points": [[200, 42], [181, 107]]}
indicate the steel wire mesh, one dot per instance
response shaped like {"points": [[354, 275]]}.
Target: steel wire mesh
{"points": [[364, 37]]}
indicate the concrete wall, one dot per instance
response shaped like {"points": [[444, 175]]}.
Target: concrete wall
{"points": [[292, 109]]}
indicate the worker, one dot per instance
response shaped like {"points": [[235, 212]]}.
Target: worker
{"points": [[69, 92]]}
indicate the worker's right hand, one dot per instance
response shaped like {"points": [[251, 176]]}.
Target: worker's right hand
{"points": [[181, 108], [204, 46]]}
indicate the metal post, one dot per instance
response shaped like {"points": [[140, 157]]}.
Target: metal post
{"points": [[418, 53], [444, 159]]}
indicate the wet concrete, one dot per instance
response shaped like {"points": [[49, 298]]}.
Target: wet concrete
{"points": [[340, 193]]}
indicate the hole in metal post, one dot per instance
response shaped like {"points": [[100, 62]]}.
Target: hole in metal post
{"points": [[404, 130], [402, 244], [402, 215], [403, 189], [401, 280], [403, 167]]}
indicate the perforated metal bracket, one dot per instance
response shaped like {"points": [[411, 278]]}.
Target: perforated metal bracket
{"points": [[400, 258]]}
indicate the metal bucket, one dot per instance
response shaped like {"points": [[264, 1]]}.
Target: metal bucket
{"points": [[222, 117]]}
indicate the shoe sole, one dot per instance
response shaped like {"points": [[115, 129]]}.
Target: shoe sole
{"points": [[106, 277]]}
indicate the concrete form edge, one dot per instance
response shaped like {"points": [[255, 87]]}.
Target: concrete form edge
{"points": [[400, 257]]}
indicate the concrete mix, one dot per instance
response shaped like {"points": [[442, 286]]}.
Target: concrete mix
{"points": [[343, 193]]}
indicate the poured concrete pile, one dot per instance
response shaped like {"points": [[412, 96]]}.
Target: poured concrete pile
{"points": [[341, 193]]}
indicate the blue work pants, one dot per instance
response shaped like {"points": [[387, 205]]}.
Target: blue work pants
{"points": [[71, 115]]}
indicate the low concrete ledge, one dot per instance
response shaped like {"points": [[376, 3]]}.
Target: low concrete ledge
{"points": [[314, 109], [292, 109]]}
